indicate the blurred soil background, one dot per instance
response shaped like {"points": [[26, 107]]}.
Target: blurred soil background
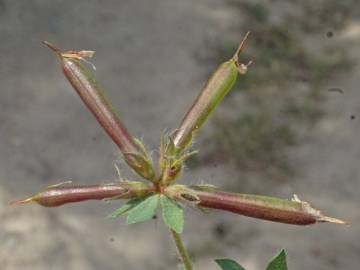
{"points": [[291, 125]]}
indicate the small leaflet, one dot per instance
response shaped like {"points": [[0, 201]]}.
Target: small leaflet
{"points": [[126, 207], [173, 214], [227, 264], [143, 211], [278, 262]]}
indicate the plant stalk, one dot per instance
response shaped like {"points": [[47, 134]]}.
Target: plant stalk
{"points": [[184, 256]]}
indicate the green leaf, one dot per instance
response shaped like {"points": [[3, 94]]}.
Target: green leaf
{"points": [[144, 210], [126, 207], [227, 264], [173, 214], [278, 262]]}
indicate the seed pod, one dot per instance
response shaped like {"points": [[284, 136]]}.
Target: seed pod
{"points": [[219, 84], [262, 207], [92, 94], [59, 194]]}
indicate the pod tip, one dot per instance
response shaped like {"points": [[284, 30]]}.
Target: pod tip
{"points": [[52, 47], [22, 201], [331, 220], [241, 46]]}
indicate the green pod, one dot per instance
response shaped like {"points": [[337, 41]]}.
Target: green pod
{"points": [[217, 87]]}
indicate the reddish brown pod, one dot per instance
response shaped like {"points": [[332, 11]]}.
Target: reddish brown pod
{"points": [[292, 211], [92, 94], [60, 194]]}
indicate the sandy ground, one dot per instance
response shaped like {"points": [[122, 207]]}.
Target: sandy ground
{"points": [[145, 58]]}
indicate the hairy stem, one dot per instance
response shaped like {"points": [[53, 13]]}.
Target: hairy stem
{"points": [[184, 256]]}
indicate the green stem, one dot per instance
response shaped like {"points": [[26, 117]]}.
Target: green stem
{"points": [[184, 256]]}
